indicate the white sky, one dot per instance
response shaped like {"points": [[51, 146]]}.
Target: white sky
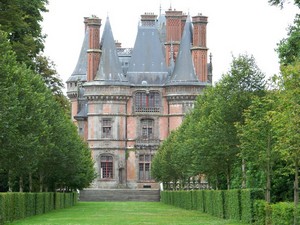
{"points": [[234, 27]]}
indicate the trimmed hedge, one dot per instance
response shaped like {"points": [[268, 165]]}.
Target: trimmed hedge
{"points": [[281, 213], [14, 206], [228, 204], [243, 205]]}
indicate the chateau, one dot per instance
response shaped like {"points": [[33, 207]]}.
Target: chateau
{"points": [[126, 101]]}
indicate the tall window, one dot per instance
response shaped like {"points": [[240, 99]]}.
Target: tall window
{"points": [[106, 128], [147, 128], [145, 167], [106, 165], [147, 102]]}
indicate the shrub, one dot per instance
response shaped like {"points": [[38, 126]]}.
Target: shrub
{"points": [[247, 200], [282, 213], [218, 203], [232, 204]]}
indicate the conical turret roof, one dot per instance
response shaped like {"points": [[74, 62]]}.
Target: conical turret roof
{"points": [[79, 73], [184, 71], [110, 70], [147, 64]]}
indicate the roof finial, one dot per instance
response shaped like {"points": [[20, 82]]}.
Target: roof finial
{"points": [[160, 9]]}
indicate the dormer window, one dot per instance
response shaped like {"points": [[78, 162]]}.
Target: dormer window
{"points": [[147, 102]]}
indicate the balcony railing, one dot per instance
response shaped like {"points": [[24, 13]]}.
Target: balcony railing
{"points": [[143, 142], [147, 109]]}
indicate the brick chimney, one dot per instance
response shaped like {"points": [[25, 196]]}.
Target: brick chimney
{"points": [[174, 27], [93, 26], [199, 49]]}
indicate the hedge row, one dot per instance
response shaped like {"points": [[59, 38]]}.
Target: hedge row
{"points": [[226, 204], [14, 206], [281, 213]]}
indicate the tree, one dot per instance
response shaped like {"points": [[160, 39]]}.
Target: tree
{"points": [[46, 69], [287, 120], [225, 106], [289, 48], [282, 2], [21, 19], [257, 139], [38, 143]]}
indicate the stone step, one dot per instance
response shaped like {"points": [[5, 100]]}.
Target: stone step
{"points": [[144, 195]]}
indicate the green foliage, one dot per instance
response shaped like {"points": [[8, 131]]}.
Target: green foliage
{"points": [[260, 207], [40, 203], [289, 48], [15, 206], [232, 204], [30, 114], [21, 19], [282, 2], [283, 213], [206, 142], [30, 202], [248, 196]]}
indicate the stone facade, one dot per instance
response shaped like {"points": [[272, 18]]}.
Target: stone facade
{"points": [[125, 102]]}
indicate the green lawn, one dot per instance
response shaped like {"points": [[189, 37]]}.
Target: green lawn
{"points": [[124, 213]]}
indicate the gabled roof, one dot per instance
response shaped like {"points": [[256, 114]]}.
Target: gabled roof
{"points": [[110, 70], [147, 64], [184, 71], [79, 73]]}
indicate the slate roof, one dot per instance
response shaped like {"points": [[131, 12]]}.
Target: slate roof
{"points": [[82, 105], [184, 71], [110, 70], [79, 73], [147, 64]]}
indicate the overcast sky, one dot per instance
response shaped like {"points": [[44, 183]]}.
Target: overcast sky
{"points": [[234, 27]]}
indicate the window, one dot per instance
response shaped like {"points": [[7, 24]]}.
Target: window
{"points": [[106, 128], [145, 167], [147, 128], [147, 102], [106, 165]]}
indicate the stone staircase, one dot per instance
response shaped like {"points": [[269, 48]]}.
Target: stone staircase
{"points": [[111, 195]]}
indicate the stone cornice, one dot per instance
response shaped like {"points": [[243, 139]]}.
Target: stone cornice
{"points": [[107, 97], [181, 97]]}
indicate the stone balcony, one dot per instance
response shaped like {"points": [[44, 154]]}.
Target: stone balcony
{"points": [[147, 143]]}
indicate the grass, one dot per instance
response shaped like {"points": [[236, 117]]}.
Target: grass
{"points": [[124, 213]]}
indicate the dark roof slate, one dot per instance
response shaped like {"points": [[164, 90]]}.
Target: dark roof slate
{"points": [[79, 73], [110, 70], [147, 64], [184, 71]]}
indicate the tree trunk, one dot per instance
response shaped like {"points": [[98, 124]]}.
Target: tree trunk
{"points": [[296, 190], [244, 177], [41, 182], [228, 178], [21, 184], [268, 184], [30, 182], [10, 181]]}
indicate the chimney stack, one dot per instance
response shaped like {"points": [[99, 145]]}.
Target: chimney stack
{"points": [[199, 49], [175, 21], [93, 26], [148, 19]]}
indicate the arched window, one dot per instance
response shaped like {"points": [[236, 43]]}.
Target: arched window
{"points": [[147, 101], [106, 167]]}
